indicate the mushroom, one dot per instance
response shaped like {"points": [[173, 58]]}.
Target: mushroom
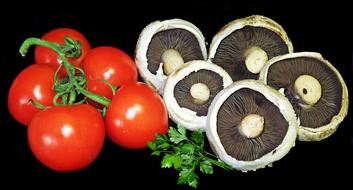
{"points": [[250, 125], [244, 46], [163, 46], [314, 87], [189, 91]]}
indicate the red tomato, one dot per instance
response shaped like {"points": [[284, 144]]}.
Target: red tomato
{"points": [[110, 64], [48, 56], [33, 83], [135, 115], [67, 138]]}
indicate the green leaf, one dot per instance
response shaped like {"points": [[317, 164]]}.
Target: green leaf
{"points": [[188, 176], [156, 153], [160, 139], [185, 154], [163, 146], [167, 161], [206, 167], [192, 179], [181, 129], [193, 183], [175, 136], [170, 160], [184, 175], [188, 149], [187, 159], [198, 137], [152, 145], [177, 162]]}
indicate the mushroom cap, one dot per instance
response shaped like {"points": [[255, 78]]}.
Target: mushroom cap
{"points": [[255, 21], [271, 95], [185, 116], [309, 133], [157, 80]]}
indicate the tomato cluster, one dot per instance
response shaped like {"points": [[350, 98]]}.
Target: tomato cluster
{"points": [[70, 136]]}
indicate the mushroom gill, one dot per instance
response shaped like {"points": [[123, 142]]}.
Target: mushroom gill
{"points": [[232, 50], [180, 40], [284, 73], [235, 108], [182, 94]]}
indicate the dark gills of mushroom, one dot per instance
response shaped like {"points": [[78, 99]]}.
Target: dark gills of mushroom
{"points": [[209, 84], [172, 47], [249, 125], [238, 50], [189, 91], [312, 87], [244, 46], [164, 46]]}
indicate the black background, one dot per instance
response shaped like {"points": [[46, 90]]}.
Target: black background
{"points": [[321, 27]]}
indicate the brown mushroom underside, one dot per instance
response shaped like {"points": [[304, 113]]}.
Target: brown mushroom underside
{"points": [[234, 109], [181, 40], [283, 75], [182, 90], [231, 50]]}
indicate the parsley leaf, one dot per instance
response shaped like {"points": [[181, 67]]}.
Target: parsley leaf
{"points": [[167, 161], [185, 153], [187, 149], [206, 167], [152, 145], [178, 162], [175, 135], [198, 137], [188, 176], [184, 175]]}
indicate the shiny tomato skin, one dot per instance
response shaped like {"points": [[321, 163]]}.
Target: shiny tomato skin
{"points": [[135, 115], [33, 83], [48, 56], [110, 64], [67, 138]]}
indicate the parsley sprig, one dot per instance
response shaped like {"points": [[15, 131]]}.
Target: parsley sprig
{"points": [[186, 154]]}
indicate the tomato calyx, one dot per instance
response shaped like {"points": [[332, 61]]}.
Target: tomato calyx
{"points": [[69, 88], [71, 48]]}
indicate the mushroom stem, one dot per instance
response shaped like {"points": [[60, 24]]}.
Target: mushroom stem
{"points": [[172, 60], [252, 125], [200, 93], [308, 88], [255, 59]]}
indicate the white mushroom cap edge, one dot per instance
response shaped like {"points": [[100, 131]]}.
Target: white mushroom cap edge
{"points": [[320, 133], [157, 81], [254, 20], [184, 116], [278, 100]]}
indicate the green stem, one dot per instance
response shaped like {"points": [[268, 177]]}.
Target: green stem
{"points": [[72, 97], [219, 164], [38, 105], [165, 151], [35, 41], [100, 99], [104, 111], [54, 46], [63, 96], [202, 153], [211, 155], [74, 83], [113, 88]]}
